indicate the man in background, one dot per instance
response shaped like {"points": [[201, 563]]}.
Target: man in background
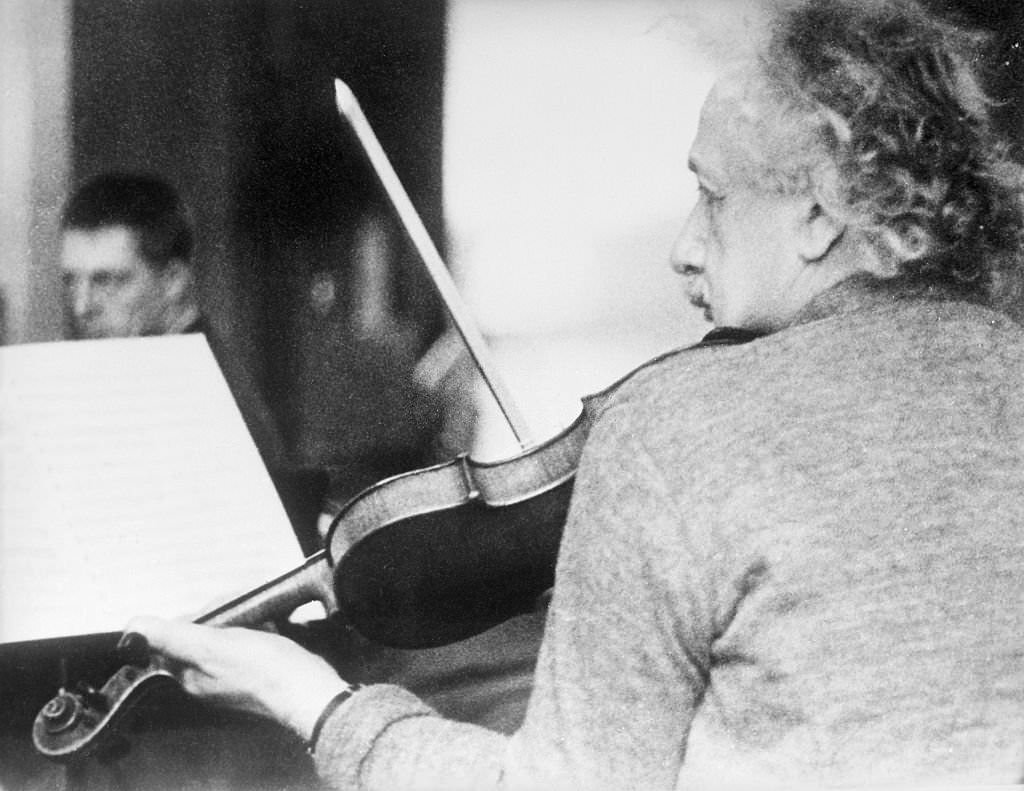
{"points": [[126, 256], [126, 252]]}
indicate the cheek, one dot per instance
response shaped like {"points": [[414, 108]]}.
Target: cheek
{"points": [[721, 264], [126, 307], [734, 271], [144, 296]]}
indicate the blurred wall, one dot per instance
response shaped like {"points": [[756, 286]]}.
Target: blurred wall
{"points": [[33, 164], [338, 282], [567, 126]]}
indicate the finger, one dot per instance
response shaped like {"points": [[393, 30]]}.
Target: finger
{"points": [[178, 640]]}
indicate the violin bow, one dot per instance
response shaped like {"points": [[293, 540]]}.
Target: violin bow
{"points": [[349, 109]]}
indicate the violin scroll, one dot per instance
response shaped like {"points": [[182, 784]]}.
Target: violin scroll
{"points": [[83, 721]]}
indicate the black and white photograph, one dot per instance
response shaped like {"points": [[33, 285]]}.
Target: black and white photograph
{"points": [[511, 395]]}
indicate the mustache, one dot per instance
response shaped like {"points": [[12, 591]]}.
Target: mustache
{"points": [[698, 301]]}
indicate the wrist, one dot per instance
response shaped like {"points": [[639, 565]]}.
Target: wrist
{"points": [[328, 709], [306, 706]]}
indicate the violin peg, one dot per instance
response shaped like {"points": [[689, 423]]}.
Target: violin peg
{"points": [[92, 698]]}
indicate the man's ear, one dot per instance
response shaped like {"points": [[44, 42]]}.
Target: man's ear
{"points": [[178, 280], [819, 232]]}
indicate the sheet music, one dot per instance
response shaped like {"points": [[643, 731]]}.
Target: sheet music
{"points": [[128, 484]]}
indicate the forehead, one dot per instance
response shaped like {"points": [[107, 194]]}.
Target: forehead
{"points": [[733, 136], [113, 248]]}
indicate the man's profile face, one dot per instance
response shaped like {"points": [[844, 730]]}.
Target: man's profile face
{"points": [[109, 288], [736, 251]]}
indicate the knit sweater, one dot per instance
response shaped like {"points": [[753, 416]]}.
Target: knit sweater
{"points": [[796, 560]]}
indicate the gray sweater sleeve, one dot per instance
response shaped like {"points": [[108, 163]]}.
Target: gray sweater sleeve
{"points": [[386, 738], [625, 656], [608, 709]]}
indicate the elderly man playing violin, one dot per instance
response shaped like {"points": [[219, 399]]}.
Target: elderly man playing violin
{"points": [[794, 560]]}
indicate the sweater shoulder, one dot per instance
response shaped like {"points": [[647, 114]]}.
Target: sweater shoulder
{"points": [[695, 388]]}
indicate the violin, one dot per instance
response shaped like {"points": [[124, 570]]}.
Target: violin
{"points": [[419, 560], [441, 554], [77, 723]]}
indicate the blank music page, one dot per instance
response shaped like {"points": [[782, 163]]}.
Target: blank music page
{"points": [[129, 484]]}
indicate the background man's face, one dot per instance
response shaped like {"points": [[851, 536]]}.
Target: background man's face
{"points": [[109, 288]]}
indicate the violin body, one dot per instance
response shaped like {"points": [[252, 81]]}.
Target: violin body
{"points": [[439, 555]]}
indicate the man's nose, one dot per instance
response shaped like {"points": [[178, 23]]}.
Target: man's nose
{"points": [[687, 257], [82, 296]]}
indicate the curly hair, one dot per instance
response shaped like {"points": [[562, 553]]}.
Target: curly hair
{"points": [[893, 100]]}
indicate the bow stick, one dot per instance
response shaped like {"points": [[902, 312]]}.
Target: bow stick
{"points": [[349, 109]]}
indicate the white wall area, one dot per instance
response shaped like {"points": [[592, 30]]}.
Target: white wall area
{"points": [[566, 135]]}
